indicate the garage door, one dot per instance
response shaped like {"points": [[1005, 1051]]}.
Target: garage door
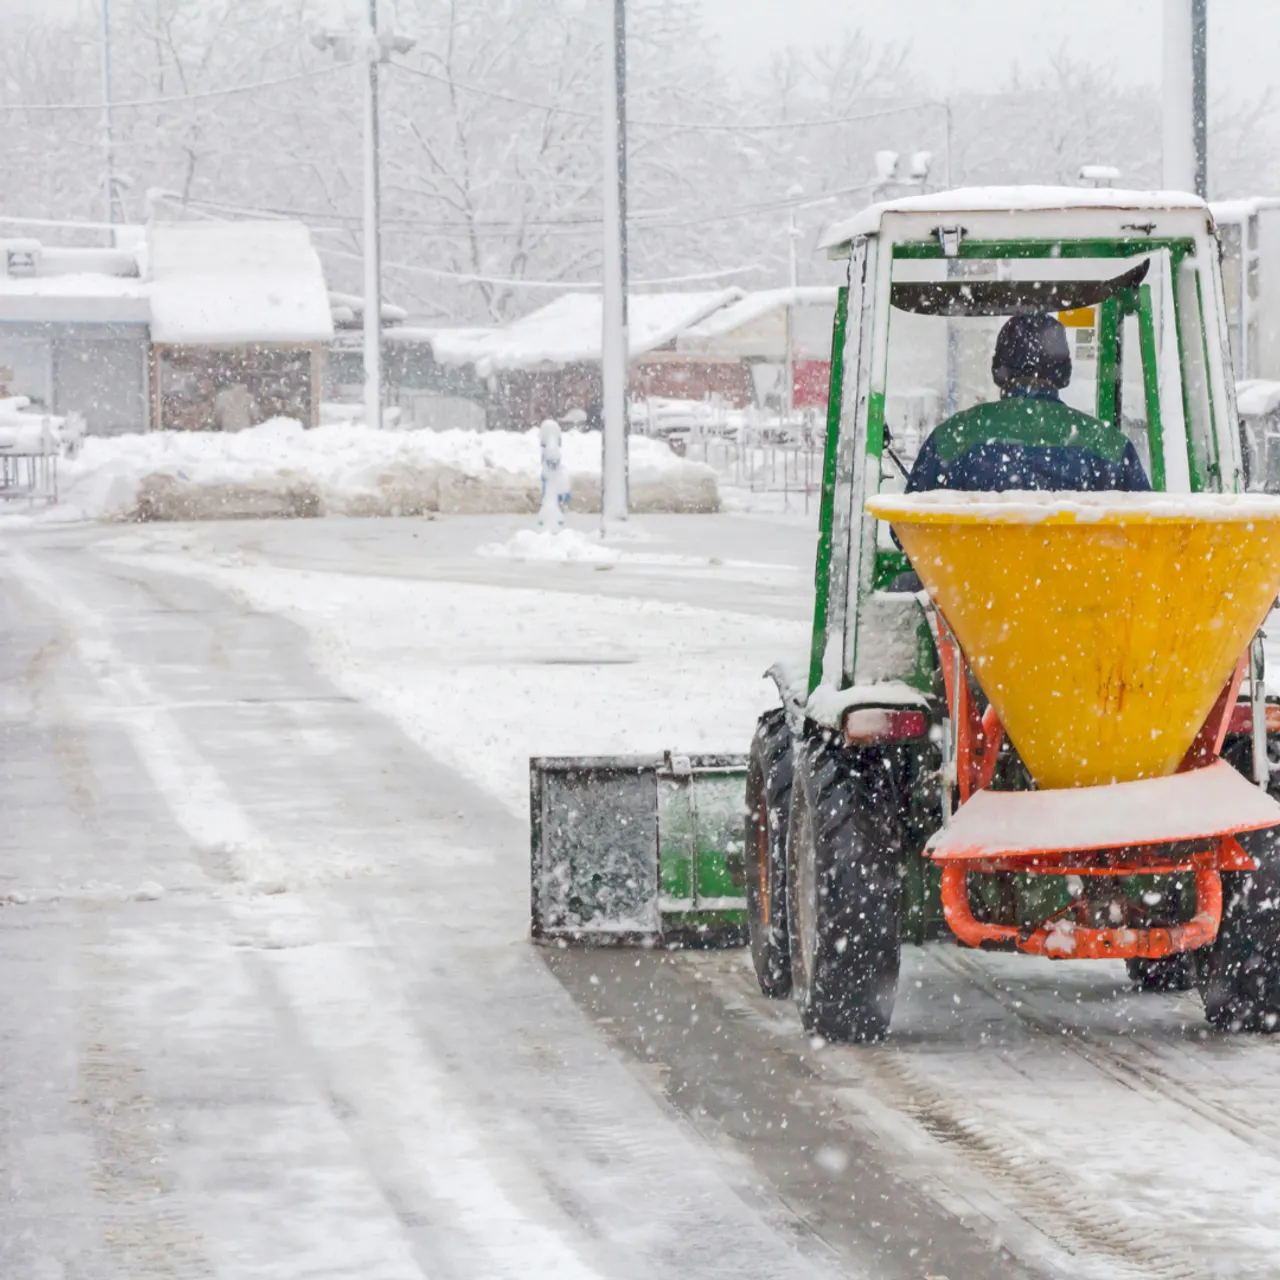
{"points": [[105, 379]]}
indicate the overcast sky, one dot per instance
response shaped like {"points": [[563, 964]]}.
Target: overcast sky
{"points": [[963, 44]]}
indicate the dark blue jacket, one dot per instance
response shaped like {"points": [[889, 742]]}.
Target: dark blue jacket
{"points": [[1027, 442]]}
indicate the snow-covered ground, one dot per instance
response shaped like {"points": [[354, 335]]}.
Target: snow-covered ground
{"points": [[274, 940], [281, 469], [484, 677]]}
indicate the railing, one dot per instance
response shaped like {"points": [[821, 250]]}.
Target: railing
{"points": [[751, 449], [30, 477]]}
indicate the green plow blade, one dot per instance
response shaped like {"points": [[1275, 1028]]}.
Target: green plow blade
{"points": [[638, 850]]}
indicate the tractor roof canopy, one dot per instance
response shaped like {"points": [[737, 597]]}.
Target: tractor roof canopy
{"points": [[1019, 213]]}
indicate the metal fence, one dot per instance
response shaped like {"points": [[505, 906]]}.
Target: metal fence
{"points": [[753, 449], [29, 477], [761, 462]]}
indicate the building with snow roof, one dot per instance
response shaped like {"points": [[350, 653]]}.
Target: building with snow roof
{"points": [[240, 320], [192, 325], [756, 329], [547, 363], [75, 333]]}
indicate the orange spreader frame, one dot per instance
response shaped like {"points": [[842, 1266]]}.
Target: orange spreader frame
{"points": [[977, 744]]}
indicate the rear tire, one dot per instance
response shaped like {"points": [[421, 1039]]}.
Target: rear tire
{"points": [[1171, 973], [765, 852], [1240, 973], [845, 856]]}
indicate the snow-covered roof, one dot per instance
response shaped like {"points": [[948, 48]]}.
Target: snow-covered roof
{"points": [[235, 282], [568, 330], [756, 326], [1256, 397], [1008, 200], [448, 345], [69, 285], [759, 303], [80, 298]]}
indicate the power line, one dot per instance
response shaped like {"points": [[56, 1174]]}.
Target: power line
{"points": [[643, 220], [6, 220], [519, 283], [176, 98], [318, 215], [696, 126]]}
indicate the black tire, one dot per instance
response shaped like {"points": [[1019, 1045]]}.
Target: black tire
{"points": [[845, 855], [765, 852], [1172, 973], [1239, 975]]}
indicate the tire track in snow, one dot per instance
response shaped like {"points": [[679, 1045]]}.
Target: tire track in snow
{"points": [[877, 1082], [1123, 1068]]}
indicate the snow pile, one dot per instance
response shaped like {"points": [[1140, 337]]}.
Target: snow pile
{"points": [[563, 546], [280, 469], [26, 432]]}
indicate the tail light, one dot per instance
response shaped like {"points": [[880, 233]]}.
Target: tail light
{"points": [[864, 725]]}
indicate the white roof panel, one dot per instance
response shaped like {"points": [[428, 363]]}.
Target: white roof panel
{"points": [[1011, 200], [233, 282]]}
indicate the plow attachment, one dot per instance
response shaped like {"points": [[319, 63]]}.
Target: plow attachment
{"points": [[640, 850]]}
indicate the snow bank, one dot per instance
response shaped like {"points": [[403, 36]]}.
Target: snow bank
{"points": [[280, 469], [564, 546]]}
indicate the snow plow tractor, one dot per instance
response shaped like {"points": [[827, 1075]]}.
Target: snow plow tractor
{"points": [[1034, 716]]}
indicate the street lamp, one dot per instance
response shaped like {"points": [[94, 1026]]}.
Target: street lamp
{"points": [[614, 351], [793, 281], [375, 48]]}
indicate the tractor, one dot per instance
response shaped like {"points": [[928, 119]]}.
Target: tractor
{"points": [[1028, 721]]}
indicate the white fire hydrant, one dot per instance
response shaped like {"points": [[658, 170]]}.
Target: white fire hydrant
{"points": [[555, 477]]}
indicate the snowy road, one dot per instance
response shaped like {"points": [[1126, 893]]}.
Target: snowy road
{"points": [[268, 1010]]}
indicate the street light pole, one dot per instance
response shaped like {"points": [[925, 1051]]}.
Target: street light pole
{"points": [[793, 279], [1178, 94], [1200, 94], [374, 47], [372, 320], [613, 344], [108, 145]]}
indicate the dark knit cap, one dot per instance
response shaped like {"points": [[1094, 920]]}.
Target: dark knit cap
{"points": [[1031, 350]]}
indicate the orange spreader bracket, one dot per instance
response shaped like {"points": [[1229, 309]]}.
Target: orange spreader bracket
{"points": [[978, 737], [1067, 939], [977, 745]]}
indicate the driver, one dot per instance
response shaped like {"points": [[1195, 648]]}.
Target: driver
{"points": [[1028, 439]]}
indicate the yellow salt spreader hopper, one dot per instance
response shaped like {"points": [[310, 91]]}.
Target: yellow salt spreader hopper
{"points": [[1108, 635]]}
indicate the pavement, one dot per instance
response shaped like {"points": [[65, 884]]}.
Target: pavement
{"points": [[269, 1009]]}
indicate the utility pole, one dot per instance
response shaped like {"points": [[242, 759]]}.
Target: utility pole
{"points": [[373, 47], [108, 143], [372, 320], [793, 279], [1185, 132], [614, 345], [1200, 92]]}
